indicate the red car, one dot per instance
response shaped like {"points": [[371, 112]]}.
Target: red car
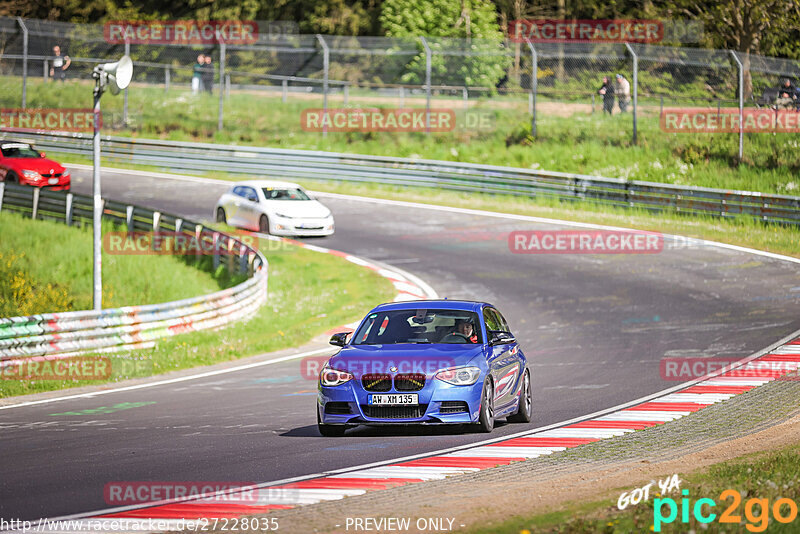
{"points": [[21, 163]]}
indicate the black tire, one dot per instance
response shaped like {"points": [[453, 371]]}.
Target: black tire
{"points": [[486, 419], [524, 412], [221, 218], [330, 431], [263, 224], [12, 178]]}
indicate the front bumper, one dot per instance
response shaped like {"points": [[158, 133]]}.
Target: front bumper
{"points": [[437, 399], [302, 227]]}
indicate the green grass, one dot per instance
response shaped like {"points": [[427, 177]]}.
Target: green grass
{"points": [[568, 140], [47, 267], [309, 293], [770, 475]]}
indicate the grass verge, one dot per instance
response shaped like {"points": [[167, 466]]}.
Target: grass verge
{"points": [[759, 480], [47, 267], [309, 293]]}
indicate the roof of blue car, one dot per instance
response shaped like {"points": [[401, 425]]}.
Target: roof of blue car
{"points": [[464, 305]]}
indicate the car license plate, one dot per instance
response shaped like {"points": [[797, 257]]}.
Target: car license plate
{"points": [[393, 399], [52, 181]]}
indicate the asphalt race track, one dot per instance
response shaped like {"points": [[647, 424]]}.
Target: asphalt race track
{"points": [[594, 327]]}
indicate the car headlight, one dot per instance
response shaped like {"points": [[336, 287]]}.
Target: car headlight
{"points": [[32, 175], [284, 216], [330, 377], [66, 174], [459, 376]]}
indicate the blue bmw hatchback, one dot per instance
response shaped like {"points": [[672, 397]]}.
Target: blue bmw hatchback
{"points": [[425, 362]]}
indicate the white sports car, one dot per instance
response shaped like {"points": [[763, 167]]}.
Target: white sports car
{"points": [[278, 208]]}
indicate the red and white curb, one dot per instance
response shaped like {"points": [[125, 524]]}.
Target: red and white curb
{"points": [[772, 364]]}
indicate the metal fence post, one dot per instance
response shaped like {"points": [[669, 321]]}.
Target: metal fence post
{"points": [[346, 91], [428, 58], [534, 84], [741, 103], [2, 190], [69, 210], [45, 70], [284, 90], [465, 94], [129, 219], [166, 79], [221, 113], [24, 62], [125, 100], [228, 86], [326, 58], [635, 89], [36, 192]]}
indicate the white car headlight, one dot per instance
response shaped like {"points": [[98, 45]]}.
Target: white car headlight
{"points": [[330, 377], [32, 175], [284, 216], [66, 174], [459, 376]]}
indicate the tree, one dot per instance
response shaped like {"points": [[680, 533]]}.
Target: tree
{"points": [[480, 60]]}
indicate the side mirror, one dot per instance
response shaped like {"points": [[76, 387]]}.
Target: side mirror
{"points": [[340, 339], [42, 154], [498, 337]]}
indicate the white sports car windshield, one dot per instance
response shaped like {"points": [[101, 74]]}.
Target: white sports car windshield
{"points": [[271, 193]]}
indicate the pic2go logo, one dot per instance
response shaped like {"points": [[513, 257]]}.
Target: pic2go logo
{"points": [[756, 511]]}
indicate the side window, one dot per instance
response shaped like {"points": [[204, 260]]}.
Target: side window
{"points": [[238, 191], [502, 320], [250, 194], [491, 320]]}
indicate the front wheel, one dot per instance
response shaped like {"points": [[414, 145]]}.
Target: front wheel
{"points": [[221, 216], [525, 410], [486, 419], [330, 431], [263, 224]]}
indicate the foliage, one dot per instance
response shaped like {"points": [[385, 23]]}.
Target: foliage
{"points": [[442, 22]]}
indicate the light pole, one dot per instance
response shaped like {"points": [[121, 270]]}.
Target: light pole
{"points": [[115, 76]]}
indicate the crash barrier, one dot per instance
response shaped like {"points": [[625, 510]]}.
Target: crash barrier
{"points": [[68, 333], [301, 164]]}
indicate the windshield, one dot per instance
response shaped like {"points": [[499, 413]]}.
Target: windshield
{"points": [[419, 326], [18, 150], [271, 193]]}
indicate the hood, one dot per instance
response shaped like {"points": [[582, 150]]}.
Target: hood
{"points": [[298, 208], [40, 165], [403, 358]]}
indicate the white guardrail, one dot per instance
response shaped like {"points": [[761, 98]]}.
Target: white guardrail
{"points": [[66, 334]]}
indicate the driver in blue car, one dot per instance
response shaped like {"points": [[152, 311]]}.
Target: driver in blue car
{"points": [[466, 329]]}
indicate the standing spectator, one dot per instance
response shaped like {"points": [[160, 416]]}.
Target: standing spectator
{"points": [[787, 94], [208, 75], [623, 92], [197, 74], [607, 90], [60, 64]]}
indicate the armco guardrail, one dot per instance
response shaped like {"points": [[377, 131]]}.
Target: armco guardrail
{"points": [[65, 334], [300, 164]]}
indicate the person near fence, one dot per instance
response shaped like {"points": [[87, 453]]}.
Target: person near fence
{"points": [[208, 75], [787, 95], [607, 91], [60, 64], [623, 92], [197, 74]]}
